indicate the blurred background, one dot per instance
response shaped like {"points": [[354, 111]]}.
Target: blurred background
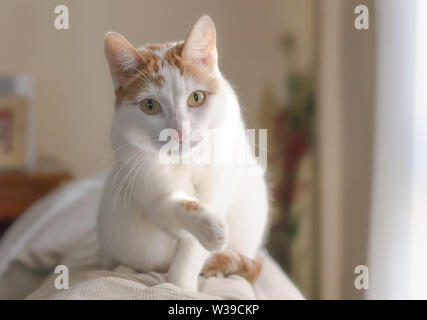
{"points": [[344, 106]]}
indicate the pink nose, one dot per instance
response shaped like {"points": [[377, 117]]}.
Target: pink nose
{"points": [[180, 137]]}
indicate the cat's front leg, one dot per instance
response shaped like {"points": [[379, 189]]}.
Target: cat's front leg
{"points": [[182, 215], [198, 229], [187, 263]]}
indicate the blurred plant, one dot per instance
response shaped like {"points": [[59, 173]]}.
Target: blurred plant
{"points": [[292, 136]]}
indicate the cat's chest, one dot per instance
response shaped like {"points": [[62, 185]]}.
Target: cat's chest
{"points": [[191, 178]]}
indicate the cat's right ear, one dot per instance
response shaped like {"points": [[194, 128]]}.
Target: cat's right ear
{"points": [[123, 59], [200, 44]]}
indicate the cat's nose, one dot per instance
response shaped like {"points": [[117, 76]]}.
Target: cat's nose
{"points": [[182, 129], [180, 136]]}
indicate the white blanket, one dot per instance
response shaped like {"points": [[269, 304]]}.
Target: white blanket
{"points": [[60, 230]]}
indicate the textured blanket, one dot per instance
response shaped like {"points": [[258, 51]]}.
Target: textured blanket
{"points": [[60, 230]]}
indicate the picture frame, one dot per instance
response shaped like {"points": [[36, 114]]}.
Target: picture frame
{"points": [[13, 131], [16, 123]]}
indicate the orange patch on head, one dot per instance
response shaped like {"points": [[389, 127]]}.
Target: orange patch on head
{"points": [[190, 205], [151, 60], [158, 46], [173, 57], [147, 72], [141, 77]]}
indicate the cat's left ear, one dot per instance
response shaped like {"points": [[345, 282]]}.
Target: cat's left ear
{"points": [[200, 44], [123, 59]]}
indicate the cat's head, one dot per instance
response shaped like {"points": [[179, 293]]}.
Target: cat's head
{"points": [[161, 86]]}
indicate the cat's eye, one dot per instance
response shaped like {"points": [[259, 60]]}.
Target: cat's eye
{"points": [[196, 98], [150, 106]]}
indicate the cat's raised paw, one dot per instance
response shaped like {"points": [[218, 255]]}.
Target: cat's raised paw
{"points": [[212, 233]]}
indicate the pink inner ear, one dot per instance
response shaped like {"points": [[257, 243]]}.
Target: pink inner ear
{"points": [[122, 57], [200, 44], [207, 59]]}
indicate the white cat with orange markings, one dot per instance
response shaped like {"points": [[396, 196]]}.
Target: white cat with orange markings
{"points": [[182, 218]]}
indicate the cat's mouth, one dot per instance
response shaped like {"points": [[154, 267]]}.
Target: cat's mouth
{"points": [[182, 145]]}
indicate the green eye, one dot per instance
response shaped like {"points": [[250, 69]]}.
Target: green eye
{"points": [[196, 98], [150, 106]]}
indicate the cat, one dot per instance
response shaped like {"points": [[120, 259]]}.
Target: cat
{"points": [[183, 219]]}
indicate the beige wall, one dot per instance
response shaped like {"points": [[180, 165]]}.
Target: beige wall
{"points": [[74, 97], [345, 130], [298, 17], [358, 120]]}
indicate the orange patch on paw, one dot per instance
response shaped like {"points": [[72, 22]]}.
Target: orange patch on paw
{"points": [[190, 205], [229, 263]]}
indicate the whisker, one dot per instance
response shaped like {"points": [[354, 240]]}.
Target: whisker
{"points": [[127, 196], [143, 163], [119, 187], [111, 154]]}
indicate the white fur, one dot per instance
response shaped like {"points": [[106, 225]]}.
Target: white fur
{"points": [[142, 222]]}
